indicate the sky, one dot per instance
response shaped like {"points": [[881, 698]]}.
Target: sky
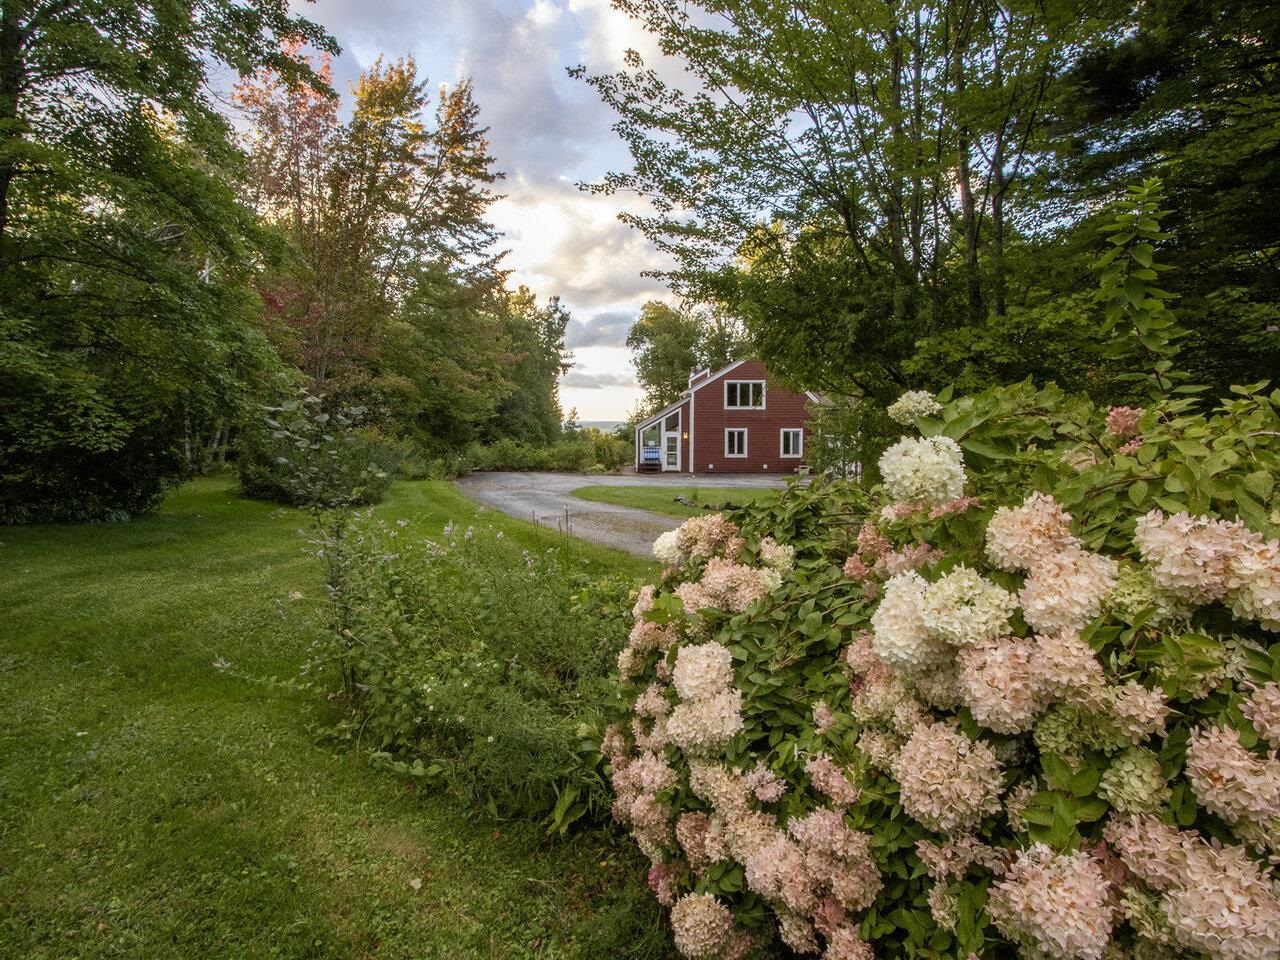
{"points": [[548, 133]]}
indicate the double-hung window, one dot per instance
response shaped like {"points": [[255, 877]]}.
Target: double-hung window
{"points": [[792, 443], [744, 394], [735, 442]]}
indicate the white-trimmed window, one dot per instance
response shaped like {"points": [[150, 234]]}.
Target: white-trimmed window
{"points": [[744, 394], [735, 442], [792, 443]]}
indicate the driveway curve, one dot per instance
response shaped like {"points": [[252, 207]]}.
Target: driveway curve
{"points": [[546, 498]]}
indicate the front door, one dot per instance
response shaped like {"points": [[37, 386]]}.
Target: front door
{"points": [[671, 442]]}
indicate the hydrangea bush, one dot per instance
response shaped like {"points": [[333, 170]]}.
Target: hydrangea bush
{"points": [[1020, 700]]}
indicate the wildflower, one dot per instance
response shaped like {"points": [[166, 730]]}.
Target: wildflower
{"points": [[701, 925], [702, 670], [947, 781], [1057, 904], [965, 609], [1018, 538], [928, 470], [913, 405]]}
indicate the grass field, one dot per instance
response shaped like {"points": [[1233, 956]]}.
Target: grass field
{"points": [[662, 499], [154, 805]]}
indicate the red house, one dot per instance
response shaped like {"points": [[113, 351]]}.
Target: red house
{"points": [[735, 420]]}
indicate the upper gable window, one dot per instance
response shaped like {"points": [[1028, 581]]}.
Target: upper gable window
{"points": [[744, 393]]}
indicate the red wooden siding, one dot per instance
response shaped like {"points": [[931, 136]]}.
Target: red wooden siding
{"points": [[783, 409]]}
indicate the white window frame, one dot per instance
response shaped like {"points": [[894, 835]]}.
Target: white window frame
{"points": [[740, 383], [799, 445], [735, 456]]}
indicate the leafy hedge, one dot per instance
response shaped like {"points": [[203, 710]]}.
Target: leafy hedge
{"points": [[476, 665]]}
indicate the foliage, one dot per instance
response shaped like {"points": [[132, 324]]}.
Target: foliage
{"points": [[847, 436], [304, 456], [479, 665], [126, 260], [1029, 676], [588, 450], [892, 196], [230, 824], [669, 343]]}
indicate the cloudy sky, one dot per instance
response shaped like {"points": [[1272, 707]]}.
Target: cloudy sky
{"points": [[548, 133]]}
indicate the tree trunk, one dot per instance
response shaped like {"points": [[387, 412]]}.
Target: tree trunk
{"points": [[968, 208], [997, 226], [12, 72]]}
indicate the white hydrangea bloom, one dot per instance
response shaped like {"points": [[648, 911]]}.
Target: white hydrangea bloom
{"points": [[702, 671], [927, 470], [666, 550], [899, 637], [913, 405], [700, 727], [965, 609]]}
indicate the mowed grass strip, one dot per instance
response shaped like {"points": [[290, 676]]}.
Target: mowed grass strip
{"points": [[663, 499], [154, 804]]}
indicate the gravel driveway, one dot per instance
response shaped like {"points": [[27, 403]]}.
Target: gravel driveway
{"points": [[545, 498]]}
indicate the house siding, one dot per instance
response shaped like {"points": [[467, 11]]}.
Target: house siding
{"points": [[783, 410]]}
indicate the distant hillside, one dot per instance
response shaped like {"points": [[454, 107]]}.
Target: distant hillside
{"points": [[605, 426]]}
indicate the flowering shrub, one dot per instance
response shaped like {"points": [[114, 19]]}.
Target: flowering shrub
{"points": [[1020, 700]]}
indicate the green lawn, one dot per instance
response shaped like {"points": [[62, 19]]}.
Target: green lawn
{"points": [[662, 499], [152, 805]]}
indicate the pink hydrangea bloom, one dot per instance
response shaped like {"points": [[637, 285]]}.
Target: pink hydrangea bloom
{"points": [[845, 943], [662, 881], [823, 718], [872, 542], [1058, 904], [1231, 781], [855, 569], [765, 785], [1065, 590], [1001, 685], [708, 536], [1190, 557], [701, 926], [947, 781], [1020, 537], [1122, 422], [829, 779], [1262, 709]]}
